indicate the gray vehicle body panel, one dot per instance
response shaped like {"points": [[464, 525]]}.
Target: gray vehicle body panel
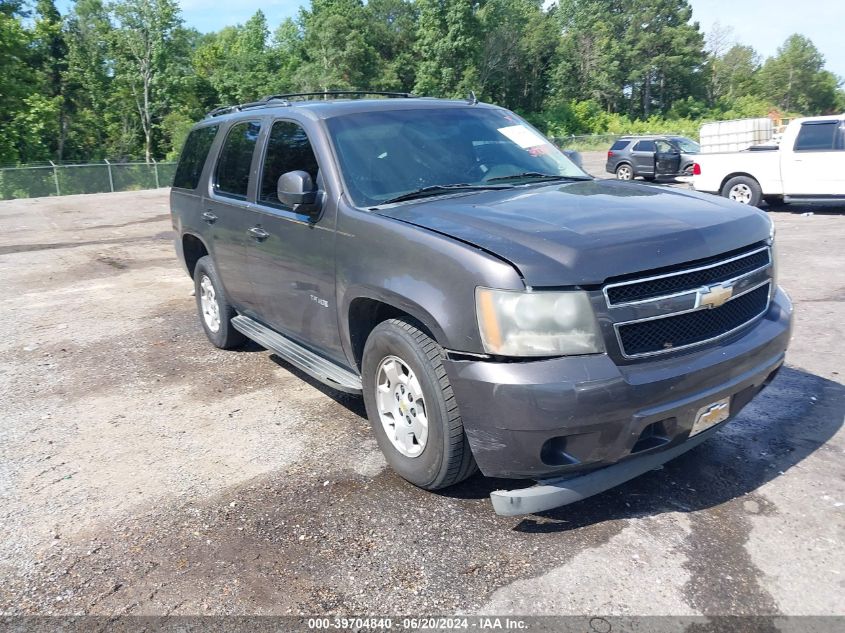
{"points": [[584, 233], [426, 258]]}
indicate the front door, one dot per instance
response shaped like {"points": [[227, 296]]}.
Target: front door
{"points": [[667, 159], [293, 265], [228, 214], [816, 164]]}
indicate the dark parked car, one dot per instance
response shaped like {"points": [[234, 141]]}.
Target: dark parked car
{"points": [[498, 308], [652, 157]]}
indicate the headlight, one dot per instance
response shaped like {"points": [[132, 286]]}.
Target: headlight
{"points": [[515, 323]]}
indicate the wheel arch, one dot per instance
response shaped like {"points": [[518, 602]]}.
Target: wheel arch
{"points": [[193, 248], [736, 174], [365, 311]]}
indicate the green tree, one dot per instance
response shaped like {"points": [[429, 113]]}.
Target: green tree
{"points": [[736, 72], [49, 58], [392, 32], [237, 61], [142, 43], [519, 45], [664, 55], [448, 47], [17, 80], [336, 50], [795, 78], [87, 81], [591, 51]]}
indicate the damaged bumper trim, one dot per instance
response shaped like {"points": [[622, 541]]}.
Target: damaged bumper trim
{"points": [[554, 493]]}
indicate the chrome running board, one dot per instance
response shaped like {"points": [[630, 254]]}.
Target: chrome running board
{"points": [[315, 366]]}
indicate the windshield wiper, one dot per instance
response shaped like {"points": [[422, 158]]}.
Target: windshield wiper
{"points": [[536, 175], [433, 190]]}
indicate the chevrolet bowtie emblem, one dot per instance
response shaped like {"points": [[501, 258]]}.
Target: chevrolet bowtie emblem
{"points": [[714, 296]]}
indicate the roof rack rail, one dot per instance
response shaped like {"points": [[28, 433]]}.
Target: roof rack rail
{"points": [[336, 93], [284, 98]]}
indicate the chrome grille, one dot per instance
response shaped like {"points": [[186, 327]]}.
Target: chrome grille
{"points": [[694, 327], [691, 305], [685, 280]]}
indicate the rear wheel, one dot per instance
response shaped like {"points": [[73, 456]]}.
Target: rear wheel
{"points": [[743, 189], [411, 407], [215, 312], [624, 172]]}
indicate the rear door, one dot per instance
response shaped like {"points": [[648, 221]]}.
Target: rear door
{"points": [[228, 212], [186, 198], [815, 164], [293, 268], [643, 156], [667, 159]]}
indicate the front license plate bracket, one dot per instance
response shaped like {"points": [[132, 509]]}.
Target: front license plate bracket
{"points": [[710, 415]]}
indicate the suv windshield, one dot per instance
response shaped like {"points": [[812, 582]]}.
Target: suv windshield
{"points": [[389, 154], [687, 145]]}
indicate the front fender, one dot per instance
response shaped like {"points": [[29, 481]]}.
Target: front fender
{"points": [[429, 276]]}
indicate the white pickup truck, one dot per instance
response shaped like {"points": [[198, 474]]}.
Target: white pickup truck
{"points": [[807, 166]]}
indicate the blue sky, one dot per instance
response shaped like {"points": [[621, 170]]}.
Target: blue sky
{"points": [[763, 25]]}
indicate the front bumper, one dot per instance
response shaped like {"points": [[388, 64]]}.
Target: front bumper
{"points": [[565, 416]]}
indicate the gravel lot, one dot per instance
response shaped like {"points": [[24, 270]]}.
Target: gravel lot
{"points": [[145, 472]]}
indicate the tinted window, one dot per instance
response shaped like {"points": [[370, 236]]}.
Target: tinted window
{"points": [[816, 136], [645, 146], [619, 145], [235, 158], [664, 147], [193, 157], [288, 149], [387, 154]]}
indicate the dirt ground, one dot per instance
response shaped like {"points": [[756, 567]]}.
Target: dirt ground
{"points": [[145, 472]]}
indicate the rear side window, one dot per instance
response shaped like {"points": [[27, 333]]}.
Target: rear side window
{"points": [[288, 149], [232, 174], [619, 145], [816, 136], [193, 157], [645, 146]]}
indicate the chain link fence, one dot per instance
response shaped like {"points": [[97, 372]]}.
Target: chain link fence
{"points": [[35, 181]]}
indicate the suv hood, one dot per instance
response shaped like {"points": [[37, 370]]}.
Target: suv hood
{"points": [[583, 233]]}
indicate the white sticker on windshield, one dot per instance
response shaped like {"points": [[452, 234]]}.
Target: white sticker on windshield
{"points": [[522, 136]]}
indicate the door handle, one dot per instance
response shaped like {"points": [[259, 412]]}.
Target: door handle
{"points": [[258, 233], [209, 218]]}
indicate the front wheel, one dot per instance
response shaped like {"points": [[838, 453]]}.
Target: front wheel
{"points": [[743, 189], [411, 407]]}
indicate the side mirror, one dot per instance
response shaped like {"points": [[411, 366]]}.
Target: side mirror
{"points": [[296, 189]]}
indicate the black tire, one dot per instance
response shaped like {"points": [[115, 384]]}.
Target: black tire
{"points": [[226, 336], [622, 169], [743, 189], [446, 458]]}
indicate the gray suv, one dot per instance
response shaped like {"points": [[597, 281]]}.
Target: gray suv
{"points": [[651, 157], [497, 308]]}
